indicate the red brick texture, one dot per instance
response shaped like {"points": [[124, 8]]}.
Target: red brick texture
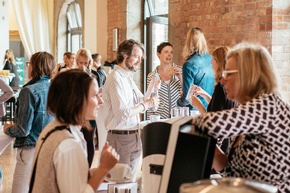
{"points": [[224, 23]]}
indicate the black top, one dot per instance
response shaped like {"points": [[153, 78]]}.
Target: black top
{"points": [[12, 68], [101, 76], [219, 100]]}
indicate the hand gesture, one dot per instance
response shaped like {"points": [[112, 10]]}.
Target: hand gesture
{"points": [[7, 125], [176, 70], [195, 101], [198, 91], [109, 157]]}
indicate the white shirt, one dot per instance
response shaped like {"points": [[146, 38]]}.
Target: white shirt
{"points": [[120, 95], [71, 165]]}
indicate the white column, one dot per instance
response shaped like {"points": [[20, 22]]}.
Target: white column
{"points": [[90, 25], [4, 29]]}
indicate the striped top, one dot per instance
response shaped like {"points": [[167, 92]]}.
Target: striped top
{"points": [[168, 95]]}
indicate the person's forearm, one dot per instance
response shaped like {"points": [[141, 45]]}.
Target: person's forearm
{"points": [[97, 177], [201, 109], [207, 97], [220, 160], [138, 109]]}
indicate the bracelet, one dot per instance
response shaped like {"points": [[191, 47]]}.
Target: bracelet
{"points": [[143, 107]]}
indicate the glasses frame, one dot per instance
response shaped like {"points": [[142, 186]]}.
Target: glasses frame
{"points": [[225, 73]]}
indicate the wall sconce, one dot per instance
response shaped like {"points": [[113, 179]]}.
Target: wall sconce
{"points": [[115, 39]]}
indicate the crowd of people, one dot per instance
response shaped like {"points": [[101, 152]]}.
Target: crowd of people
{"points": [[235, 90]]}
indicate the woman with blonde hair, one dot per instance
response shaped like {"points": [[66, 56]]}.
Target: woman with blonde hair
{"points": [[10, 64], [260, 123], [197, 68], [84, 59], [84, 62]]}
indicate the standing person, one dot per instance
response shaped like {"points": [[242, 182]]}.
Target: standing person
{"points": [[6, 93], [197, 68], [10, 65], [31, 117], [260, 123], [171, 78], [100, 72], [122, 104], [60, 163], [83, 60]]}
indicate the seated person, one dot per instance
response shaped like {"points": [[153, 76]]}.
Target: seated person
{"points": [[260, 124], [60, 163]]}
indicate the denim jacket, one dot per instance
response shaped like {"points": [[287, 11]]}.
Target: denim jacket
{"points": [[31, 115], [192, 71]]}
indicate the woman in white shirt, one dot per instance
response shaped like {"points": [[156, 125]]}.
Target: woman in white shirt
{"points": [[60, 163]]}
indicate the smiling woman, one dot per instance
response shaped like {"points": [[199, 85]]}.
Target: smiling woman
{"points": [[171, 78], [62, 145]]}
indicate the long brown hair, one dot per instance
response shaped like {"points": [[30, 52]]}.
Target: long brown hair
{"points": [[219, 55]]}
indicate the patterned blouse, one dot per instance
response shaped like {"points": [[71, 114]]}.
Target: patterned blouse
{"points": [[264, 152], [168, 95]]}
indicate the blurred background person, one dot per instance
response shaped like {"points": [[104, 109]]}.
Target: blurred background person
{"points": [[69, 62], [171, 77], [6, 93], [197, 68], [31, 117], [260, 123], [83, 60], [219, 100], [60, 163], [9, 64], [100, 72]]}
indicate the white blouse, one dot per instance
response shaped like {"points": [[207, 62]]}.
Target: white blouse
{"points": [[71, 165]]}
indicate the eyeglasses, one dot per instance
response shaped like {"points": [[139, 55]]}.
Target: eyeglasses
{"points": [[225, 73]]}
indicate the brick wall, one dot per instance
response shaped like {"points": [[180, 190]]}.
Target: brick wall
{"points": [[228, 22], [224, 23], [126, 15], [116, 19], [281, 44]]}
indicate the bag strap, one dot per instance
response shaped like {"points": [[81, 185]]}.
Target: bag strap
{"points": [[58, 128]]}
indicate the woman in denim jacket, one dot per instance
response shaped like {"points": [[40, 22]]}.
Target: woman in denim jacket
{"points": [[197, 68], [31, 117]]}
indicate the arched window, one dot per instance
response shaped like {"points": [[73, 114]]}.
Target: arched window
{"points": [[74, 27]]}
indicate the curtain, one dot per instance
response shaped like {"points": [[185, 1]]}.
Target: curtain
{"points": [[35, 22]]}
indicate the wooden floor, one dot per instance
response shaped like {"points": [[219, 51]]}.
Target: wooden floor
{"points": [[7, 163]]}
